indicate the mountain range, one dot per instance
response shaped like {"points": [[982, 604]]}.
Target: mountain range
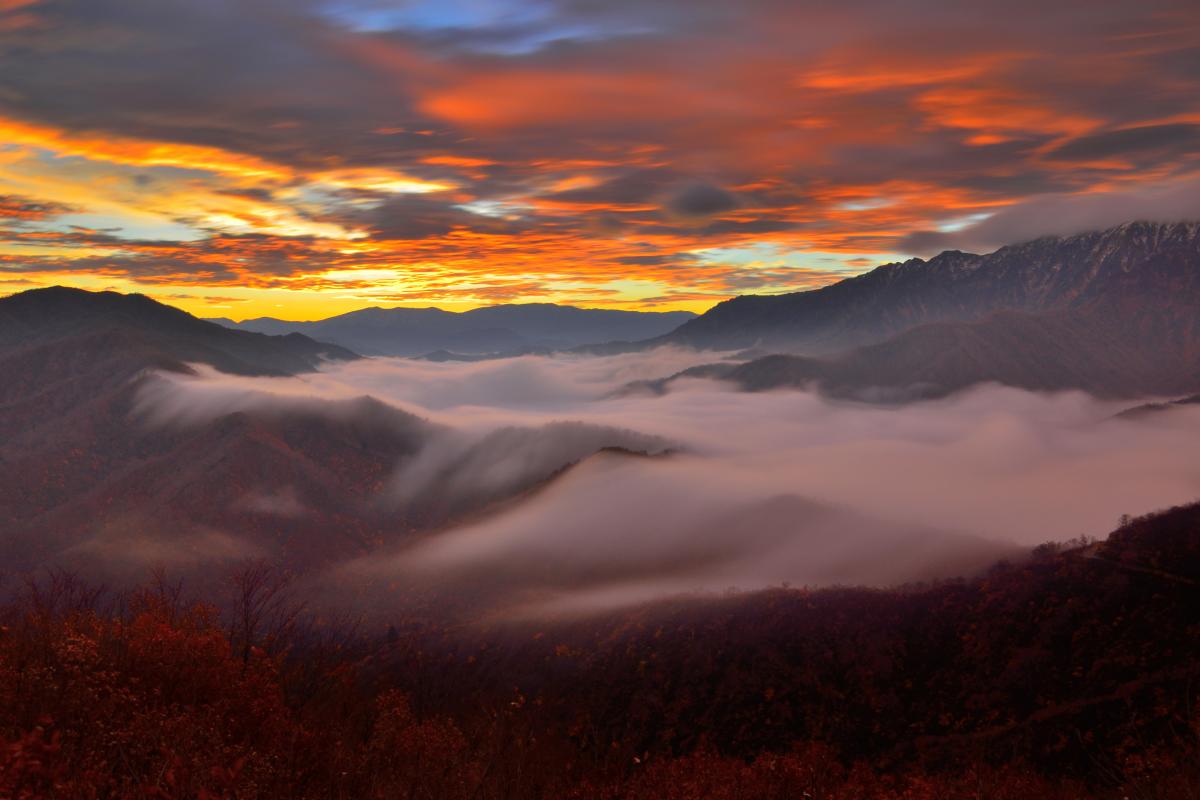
{"points": [[1132, 266], [502, 329], [1115, 313]]}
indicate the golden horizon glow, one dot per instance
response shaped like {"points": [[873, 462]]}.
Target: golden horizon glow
{"points": [[438, 163]]}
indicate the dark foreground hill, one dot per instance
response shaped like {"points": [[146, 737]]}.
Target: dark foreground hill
{"points": [[79, 469], [109, 462], [514, 328], [1068, 675], [57, 316]]}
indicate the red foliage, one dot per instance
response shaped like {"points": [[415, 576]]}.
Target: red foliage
{"points": [[1065, 677]]}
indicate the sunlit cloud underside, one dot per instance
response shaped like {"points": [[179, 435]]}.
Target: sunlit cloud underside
{"points": [[298, 160]]}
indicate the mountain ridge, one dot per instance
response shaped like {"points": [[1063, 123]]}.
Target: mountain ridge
{"points": [[1115, 313], [1045, 274], [1085, 351], [510, 328], [37, 317]]}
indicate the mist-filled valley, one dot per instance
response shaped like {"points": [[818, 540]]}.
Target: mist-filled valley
{"points": [[584, 493]]}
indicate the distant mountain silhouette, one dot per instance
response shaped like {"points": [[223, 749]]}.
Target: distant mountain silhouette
{"points": [[40, 317], [1115, 313], [1137, 267], [508, 329]]}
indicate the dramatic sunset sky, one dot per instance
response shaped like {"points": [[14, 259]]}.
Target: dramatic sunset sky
{"points": [[300, 158]]}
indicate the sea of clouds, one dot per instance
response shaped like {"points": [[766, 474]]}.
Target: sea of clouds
{"points": [[736, 489]]}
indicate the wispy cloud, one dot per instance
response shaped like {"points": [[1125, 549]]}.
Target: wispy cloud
{"points": [[563, 150]]}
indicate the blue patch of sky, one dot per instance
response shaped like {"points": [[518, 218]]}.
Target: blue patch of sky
{"points": [[961, 223], [506, 27], [438, 15], [127, 227], [771, 256]]}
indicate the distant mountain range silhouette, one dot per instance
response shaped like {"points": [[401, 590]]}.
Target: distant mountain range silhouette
{"points": [[502, 329]]}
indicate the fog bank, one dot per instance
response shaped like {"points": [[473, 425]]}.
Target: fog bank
{"points": [[752, 489]]}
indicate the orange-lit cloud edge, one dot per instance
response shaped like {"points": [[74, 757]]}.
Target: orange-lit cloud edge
{"points": [[648, 182]]}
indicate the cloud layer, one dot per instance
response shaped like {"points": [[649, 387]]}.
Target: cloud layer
{"points": [[306, 157], [750, 490]]}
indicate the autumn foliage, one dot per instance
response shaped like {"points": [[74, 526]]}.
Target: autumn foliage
{"points": [[1064, 677]]}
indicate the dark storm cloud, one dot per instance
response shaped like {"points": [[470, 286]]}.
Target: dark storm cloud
{"points": [[658, 260], [412, 217], [928, 243], [17, 208], [1060, 215], [1024, 183], [748, 227], [289, 81], [660, 189], [260, 76], [638, 187], [701, 200], [1174, 139]]}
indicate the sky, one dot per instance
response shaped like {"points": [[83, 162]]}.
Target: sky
{"points": [[302, 158]]}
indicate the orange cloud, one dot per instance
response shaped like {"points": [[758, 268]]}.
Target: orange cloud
{"points": [[137, 152], [999, 113], [457, 161], [430, 169], [525, 97]]}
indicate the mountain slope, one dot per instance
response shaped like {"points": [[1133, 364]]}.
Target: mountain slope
{"points": [[40, 316], [495, 329], [77, 466], [1135, 266], [1068, 675], [1097, 351], [101, 467], [1067, 661]]}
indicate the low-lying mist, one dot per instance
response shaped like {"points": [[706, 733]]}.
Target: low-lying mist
{"points": [[707, 488]]}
